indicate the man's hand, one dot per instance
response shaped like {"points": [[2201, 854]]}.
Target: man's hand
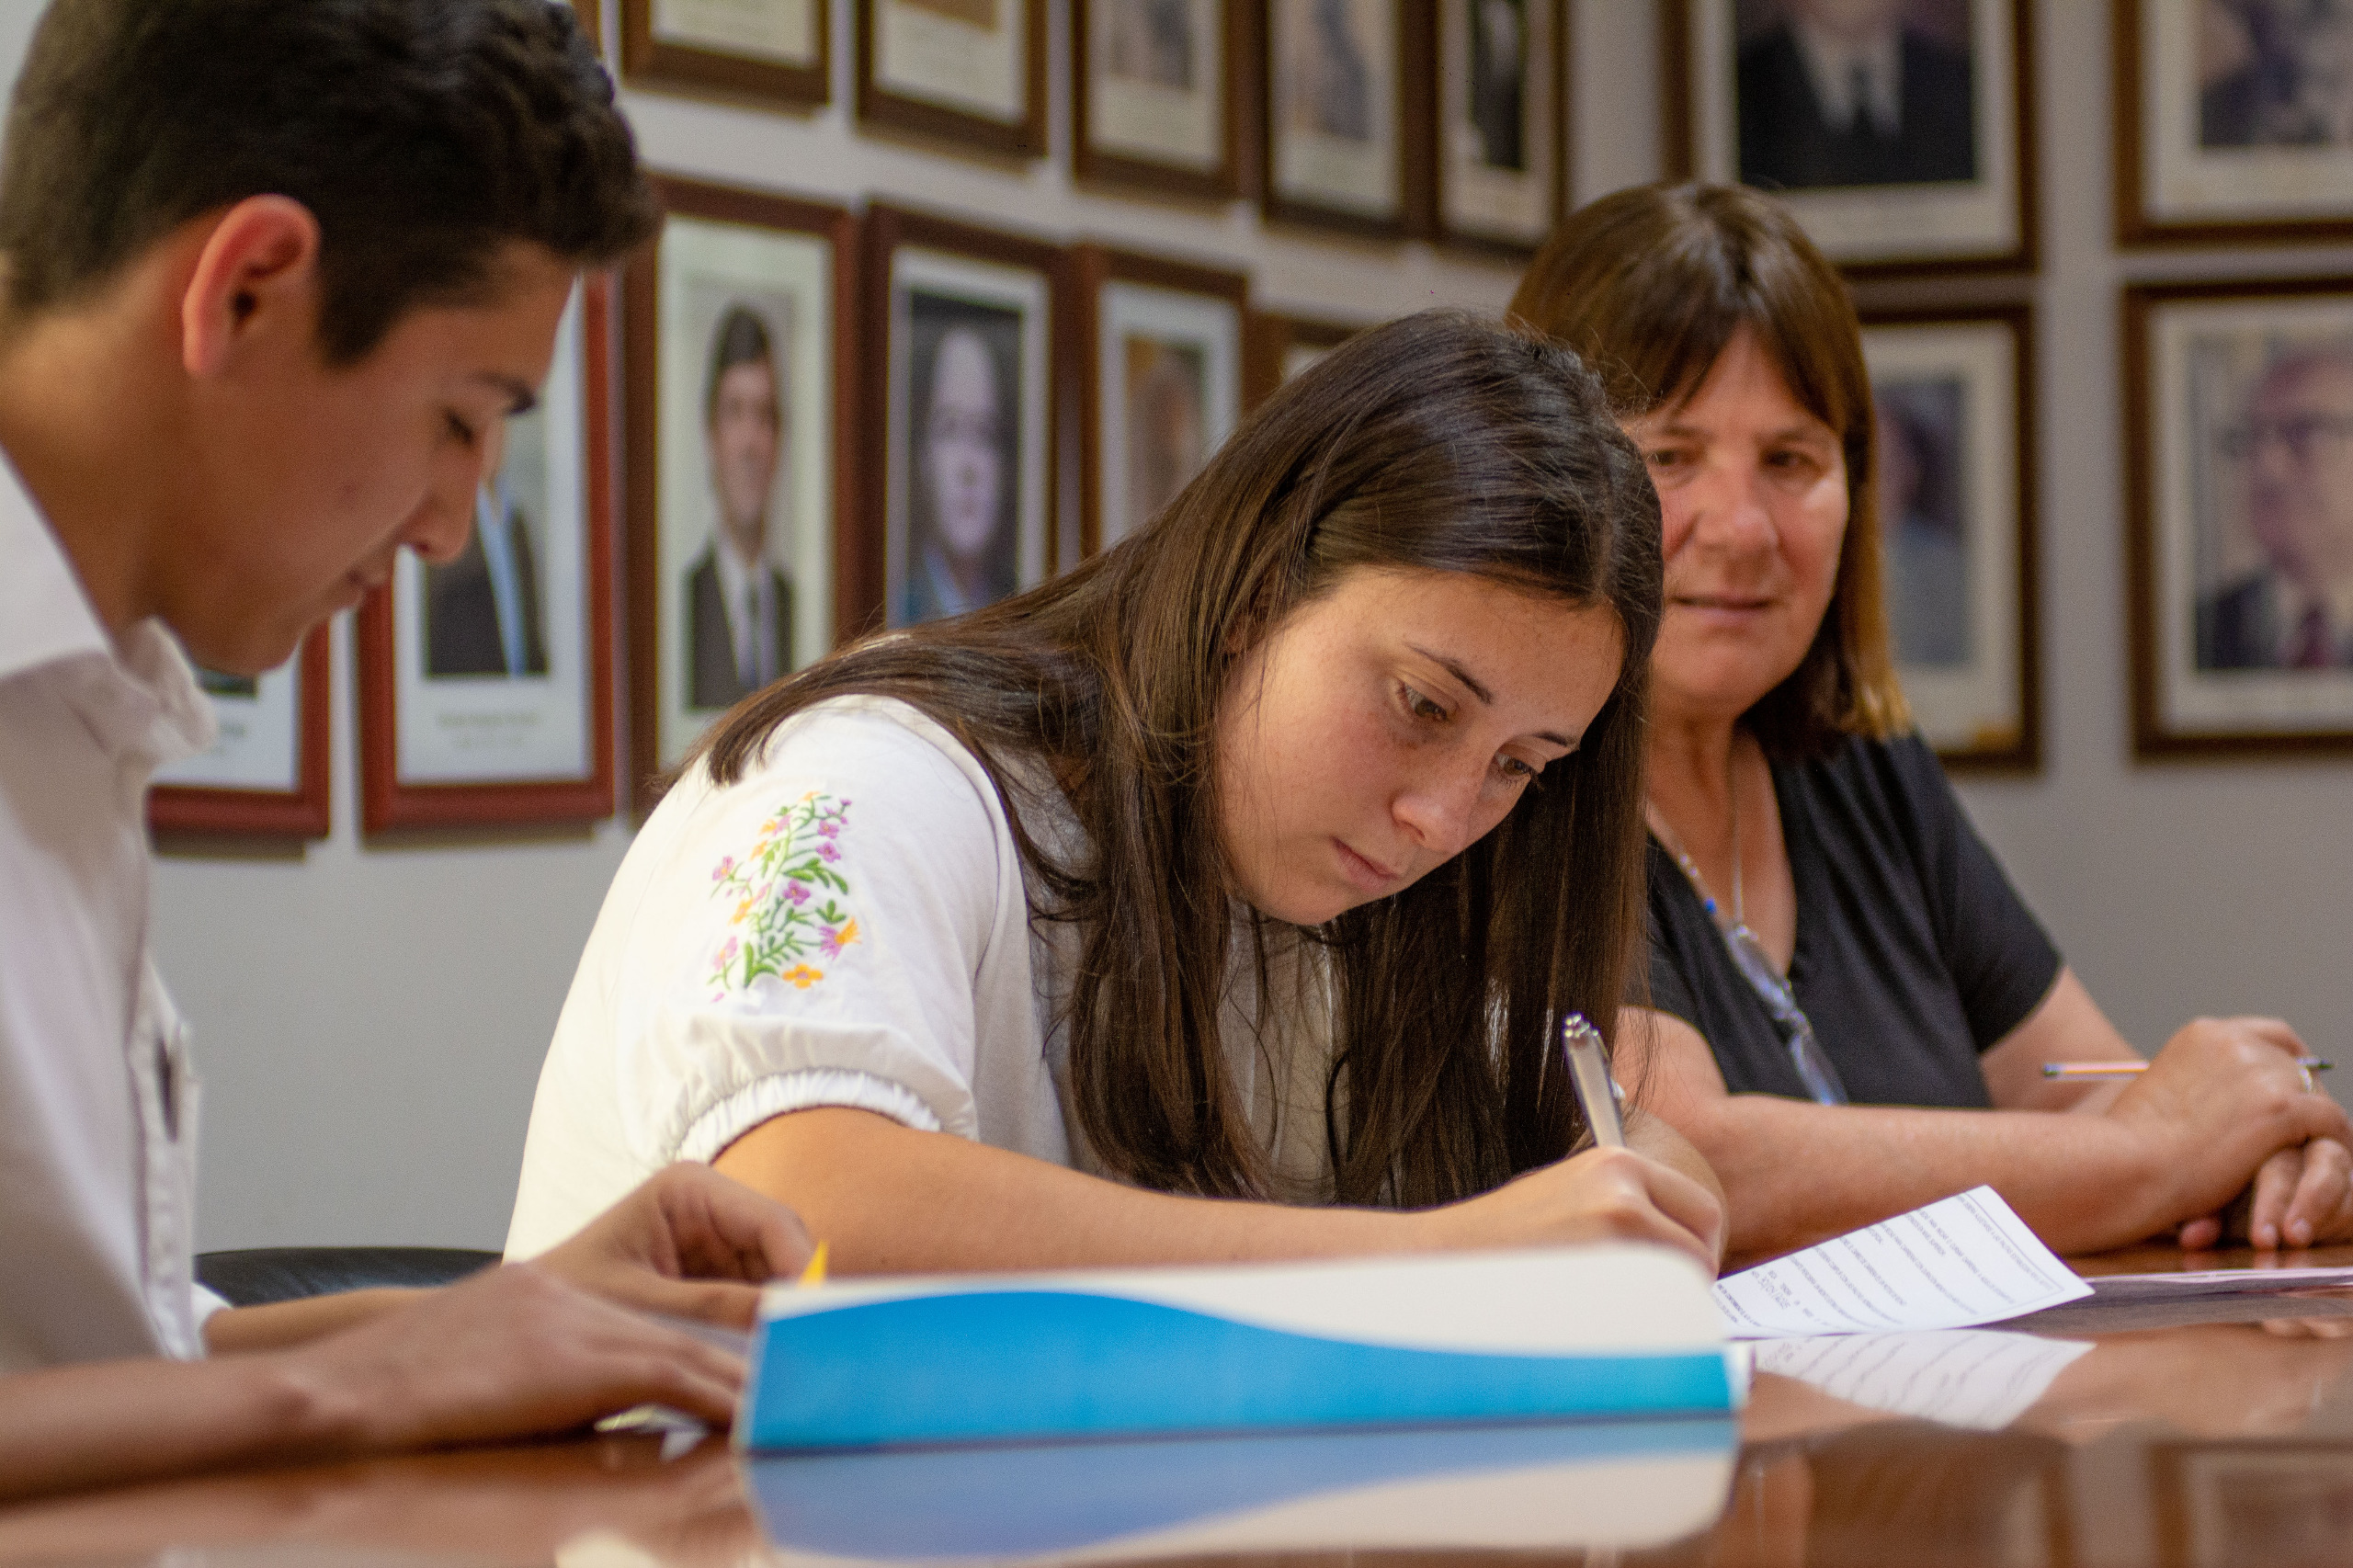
{"points": [[690, 1243]]}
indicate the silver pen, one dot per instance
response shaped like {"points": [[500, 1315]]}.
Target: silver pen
{"points": [[1588, 1062]]}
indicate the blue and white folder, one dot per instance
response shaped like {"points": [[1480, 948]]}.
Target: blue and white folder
{"points": [[1619, 1331]]}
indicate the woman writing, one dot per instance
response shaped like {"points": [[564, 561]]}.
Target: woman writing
{"points": [[1851, 1007], [1200, 904]]}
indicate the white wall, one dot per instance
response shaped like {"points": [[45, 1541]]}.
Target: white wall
{"points": [[371, 1018]]}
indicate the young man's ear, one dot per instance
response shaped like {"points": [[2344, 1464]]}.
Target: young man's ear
{"points": [[259, 261]]}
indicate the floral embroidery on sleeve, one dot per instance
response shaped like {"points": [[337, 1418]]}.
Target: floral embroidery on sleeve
{"points": [[784, 892]]}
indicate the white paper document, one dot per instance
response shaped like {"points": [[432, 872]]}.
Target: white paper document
{"points": [[1977, 1378], [2198, 1283], [1955, 1263]]}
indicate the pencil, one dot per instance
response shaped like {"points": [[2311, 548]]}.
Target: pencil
{"points": [[2083, 1070]]}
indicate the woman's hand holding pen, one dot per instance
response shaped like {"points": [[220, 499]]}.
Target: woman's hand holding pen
{"points": [[1602, 1195], [2216, 1110]]}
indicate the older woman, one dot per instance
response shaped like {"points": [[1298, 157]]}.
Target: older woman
{"points": [[1849, 1004]]}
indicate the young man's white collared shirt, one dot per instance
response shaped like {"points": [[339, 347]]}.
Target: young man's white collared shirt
{"points": [[98, 1102]]}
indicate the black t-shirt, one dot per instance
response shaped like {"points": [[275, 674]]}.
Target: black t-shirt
{"points": [[1913, 952]]}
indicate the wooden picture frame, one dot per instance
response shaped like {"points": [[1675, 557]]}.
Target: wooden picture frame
{"points": [[269, 775], [2237, 161], [1158, 114], [1276, 347], [790, 267], [1900, 204], [908, 50], [1955, 390], [1157, 340], [786, 62], [2222, 380], [1498, 143], [1000, 392], [486, 682], [1349, 151], [592, 22]]}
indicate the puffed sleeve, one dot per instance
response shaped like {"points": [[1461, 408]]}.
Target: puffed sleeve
{"points": [[815, 938]]}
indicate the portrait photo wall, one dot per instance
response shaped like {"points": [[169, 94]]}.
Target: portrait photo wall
{"points": [[971, 73], [1161, 343], [963, 363], [2239, 462], [266, 774], [1955, 480], [739, 340], [1342, 83], [1152, 95], [1905, 147], [1501, 156], [485, 681], [772, 50], [2234, 121], [1276, 347]]}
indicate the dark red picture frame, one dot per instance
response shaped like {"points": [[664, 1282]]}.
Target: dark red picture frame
{"points": [[387, 805], [647, 59], [895, 112], [305, 811]]}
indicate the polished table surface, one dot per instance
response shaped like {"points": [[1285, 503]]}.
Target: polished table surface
{"points": [[2218, 1434]]}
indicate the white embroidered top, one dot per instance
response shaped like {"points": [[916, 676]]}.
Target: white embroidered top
{"points": [[849, 924]]}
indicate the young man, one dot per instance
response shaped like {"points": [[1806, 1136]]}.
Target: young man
{"points": [[276, 271]]}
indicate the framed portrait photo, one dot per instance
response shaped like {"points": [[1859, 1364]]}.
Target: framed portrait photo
{"points": [[776, 50], [2234, 121], [1338, 112], [592, 22], [1152, 95], [265, 775], [1903, 144], [2239, 470], [738, 332], [971, 73], [1954, 392], [486, 681], [1161, 343], [960, 422], [1276, 347], [1500, 155]]}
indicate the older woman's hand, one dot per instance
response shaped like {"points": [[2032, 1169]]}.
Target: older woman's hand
{"points": [[2216, 1106], [2300, 1198]]}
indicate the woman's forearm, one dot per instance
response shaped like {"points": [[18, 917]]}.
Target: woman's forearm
{"points": [[281, 1324], [886, 1199]]}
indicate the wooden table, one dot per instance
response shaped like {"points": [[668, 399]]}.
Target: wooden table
{"points": [[2222, 1439]]}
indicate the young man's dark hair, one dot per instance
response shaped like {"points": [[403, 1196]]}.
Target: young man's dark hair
{"points": [[742, 339], [423, 136]]}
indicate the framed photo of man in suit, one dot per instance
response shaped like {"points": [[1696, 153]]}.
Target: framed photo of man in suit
{"points": [[1899, 131], [485, 680], [1152, 95], [736, 335], [2239, 457], [1500, 154], [1341, 114], [2234, 121]]}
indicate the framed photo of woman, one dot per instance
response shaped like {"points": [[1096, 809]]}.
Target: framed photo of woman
{"points": [[1276, 347], [961, 414], [775, 51], [1901, 132], [266, 774], [2239, 475], [1161, 349], [739, 329], [1152, 95], [1500, 154], [1338, 110], [2234, 121], [486, 681], [968, 73], [1954, 390]]}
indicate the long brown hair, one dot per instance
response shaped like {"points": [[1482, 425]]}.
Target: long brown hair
{"points": [[1649, 285], [1436, 443]]}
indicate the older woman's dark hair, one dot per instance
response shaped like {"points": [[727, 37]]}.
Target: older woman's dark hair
{"points": [[1649, 285], [1437, 443]]}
